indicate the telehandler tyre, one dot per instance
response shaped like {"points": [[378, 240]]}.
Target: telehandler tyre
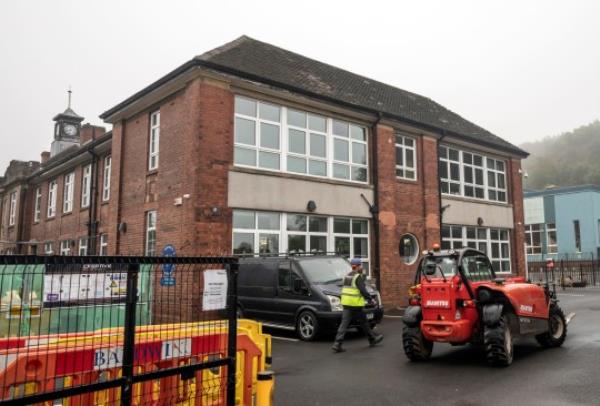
{"points": [[498, 343], [557, 329], [416, 347]]}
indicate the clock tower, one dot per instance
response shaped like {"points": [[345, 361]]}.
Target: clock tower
{"points": [[66, 129]]}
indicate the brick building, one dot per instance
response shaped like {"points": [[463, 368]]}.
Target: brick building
{"points": [[252, 148]]}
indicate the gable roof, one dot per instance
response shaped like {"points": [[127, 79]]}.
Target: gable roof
{"points": [[248, 58]]}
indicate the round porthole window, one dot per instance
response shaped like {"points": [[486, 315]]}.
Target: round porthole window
{"points": [[409, 249]]}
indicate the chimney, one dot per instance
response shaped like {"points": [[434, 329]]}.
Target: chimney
{"points": [[90, 132], [45, 157]]}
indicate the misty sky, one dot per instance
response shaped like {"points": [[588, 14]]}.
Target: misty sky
{"points": [[521, 69]]}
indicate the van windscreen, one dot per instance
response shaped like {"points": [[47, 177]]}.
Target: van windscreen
{"points": [[325, 270]]}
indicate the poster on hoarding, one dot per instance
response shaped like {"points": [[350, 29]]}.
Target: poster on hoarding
{"points": [[214, 296], [80, 284]]}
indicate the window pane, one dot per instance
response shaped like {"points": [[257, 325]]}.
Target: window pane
{"points": [[453, 154], [467, 158], [297, 141], [296, 222], [318, 168], [399, 156], [359, 174], [443, 168], [454, 188], [268, 243], [500, 166], [409, 174], [341, 171], [492, 194], [454, 171], [245, 131], [501, 184], [342, 246], [468, 174], [318, 243], [243, 219], [410, 158], [269, 112], [481, 233], [318, 145], [361, 248], [296, 118], [296, 164], [268, 221], [357, 133], [445, 232], [443, 152], [479, 176], [317, 123], [245, 107], [341, 226], [340, 128], [409, 248], [501, 196], [359, 153], [317, 224], [243, 243], [269, 136], [296, 243], [268, 160], [245, 156], [477, 160], [491, 164], [360, 227], [341, 150]]}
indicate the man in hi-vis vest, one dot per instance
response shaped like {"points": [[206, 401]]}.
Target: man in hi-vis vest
{"points": [[354, 296]]}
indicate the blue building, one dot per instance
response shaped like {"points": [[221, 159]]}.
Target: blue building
{"points": [[562, 223]]}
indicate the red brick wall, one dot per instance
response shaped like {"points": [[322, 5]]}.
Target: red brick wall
{"points": [[518, 233], [405, 207]]}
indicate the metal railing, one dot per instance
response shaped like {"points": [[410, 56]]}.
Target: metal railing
{"points": [[566, 273], [124, 329]]}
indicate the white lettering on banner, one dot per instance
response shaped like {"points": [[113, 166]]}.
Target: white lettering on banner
{"points": [[105, 358], [214, 296], [176, 348], [437, 303]]}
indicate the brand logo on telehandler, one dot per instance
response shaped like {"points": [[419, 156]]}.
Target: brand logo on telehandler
{"points": [[437, 303], [526, 308]]}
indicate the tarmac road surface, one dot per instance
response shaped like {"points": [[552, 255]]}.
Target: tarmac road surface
{"points": [[310, 374]]}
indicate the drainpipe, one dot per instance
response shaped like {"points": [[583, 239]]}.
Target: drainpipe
{"points": [[440, 183], [374, 208], [92, 215]]}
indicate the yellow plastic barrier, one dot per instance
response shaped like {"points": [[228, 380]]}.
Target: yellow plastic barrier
{"points": [[80, 358]]}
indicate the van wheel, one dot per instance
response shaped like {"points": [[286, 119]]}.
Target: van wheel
{"points": [[307, 326], [557, 329]]}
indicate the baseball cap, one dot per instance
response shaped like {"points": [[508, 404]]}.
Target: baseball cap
{"points": [[355, 261]]}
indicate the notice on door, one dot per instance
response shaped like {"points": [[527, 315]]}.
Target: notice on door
{"points": [[215, 290]]}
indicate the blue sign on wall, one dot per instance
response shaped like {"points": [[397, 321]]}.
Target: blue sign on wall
{"points": [[168, 269]]}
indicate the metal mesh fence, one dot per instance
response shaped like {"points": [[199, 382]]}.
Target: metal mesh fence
{"points": [[117, 330]]}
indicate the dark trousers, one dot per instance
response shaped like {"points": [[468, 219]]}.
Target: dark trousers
{"points": [[357, 314]]}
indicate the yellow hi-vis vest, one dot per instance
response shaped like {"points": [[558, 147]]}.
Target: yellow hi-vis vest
{"points": [[350, 294]]}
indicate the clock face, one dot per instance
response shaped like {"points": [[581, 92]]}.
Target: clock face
{"points": [[70, 129]]}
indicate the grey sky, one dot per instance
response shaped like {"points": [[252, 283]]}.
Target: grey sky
{"points": [[521, 69]]}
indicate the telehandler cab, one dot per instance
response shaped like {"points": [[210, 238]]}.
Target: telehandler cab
{"points": [[458, 299]]}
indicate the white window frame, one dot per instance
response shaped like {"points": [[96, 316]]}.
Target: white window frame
{"points": [[490, 165], [68, 186], [491, 243], [154, 141], [37, 208], [283, 233], [106, 178], [530, 230], [65, 247], [150, 235], [403, 170], [48, 248], [103, 244], [284, 151], [83, 246], [86, 185], [52, 191], [551, 248], [12, 215]]}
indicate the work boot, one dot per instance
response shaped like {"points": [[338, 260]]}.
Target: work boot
{"points": [[337, 347], [376, 340]]}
